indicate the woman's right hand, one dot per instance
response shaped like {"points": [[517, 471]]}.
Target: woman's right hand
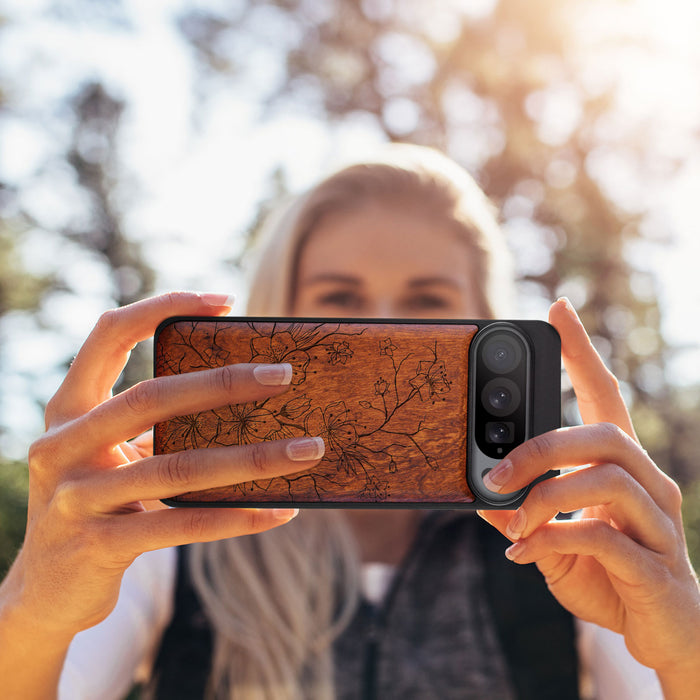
{"points": [[87, 516]]}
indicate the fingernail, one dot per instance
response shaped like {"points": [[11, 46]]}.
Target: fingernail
{"points": [[305, 449], [515, 550], [273, 375], [498, 477], [285, 514], [218, 299], [517, 525], [569, 306]]}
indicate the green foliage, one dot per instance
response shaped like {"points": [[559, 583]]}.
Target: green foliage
{"points": [[14, 483], [691, 521], [18, 289]]}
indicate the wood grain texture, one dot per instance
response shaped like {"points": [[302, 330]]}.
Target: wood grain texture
{"points": [[389, 400]]}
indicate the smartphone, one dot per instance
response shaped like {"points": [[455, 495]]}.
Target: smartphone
{"points": [[413, 413]]}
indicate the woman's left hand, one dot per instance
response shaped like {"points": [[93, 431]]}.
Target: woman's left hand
{"points": [[623, 564]]}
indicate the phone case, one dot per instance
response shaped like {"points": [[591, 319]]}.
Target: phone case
{"points": [[389, 398]]}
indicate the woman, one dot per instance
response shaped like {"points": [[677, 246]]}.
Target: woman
{"points": [[276, 602]]}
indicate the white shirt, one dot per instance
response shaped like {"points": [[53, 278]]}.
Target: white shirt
{"points": [[106, 660]]}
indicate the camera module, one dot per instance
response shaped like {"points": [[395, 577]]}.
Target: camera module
{"points": [[514, 368], [500, 390]]}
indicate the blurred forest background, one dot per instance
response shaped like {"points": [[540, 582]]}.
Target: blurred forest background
{"points": [[580, 119]]}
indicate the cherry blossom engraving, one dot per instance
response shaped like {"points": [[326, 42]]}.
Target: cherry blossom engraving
{"points": [[386, 347], [185, 433], [381, 386], [431, 379], [281, 347], [374, 435], [243, 424], [339, 353]]}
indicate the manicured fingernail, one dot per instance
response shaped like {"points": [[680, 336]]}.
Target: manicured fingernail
{"points": [[305, 449], [515, 550], [273, 375], [285, 514], [517, 525], [218, 299], [499, 476]]}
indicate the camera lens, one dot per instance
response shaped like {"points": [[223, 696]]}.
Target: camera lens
{"points": [[502, 353], [500, 396], [499, 432]]}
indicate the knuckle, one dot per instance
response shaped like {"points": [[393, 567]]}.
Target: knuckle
{"points": [[196, 525], [44, 454], [600, 533], [141, 397], [110, 326], [539, 448], [108, 322], [226, 379], [661, 570], [673, 537], [257, 458], [610, 432], [674, 495], [38, 457], [258, 520], [170, 299], [67, 498], [617, 478], [176, 470], [542, 495]]}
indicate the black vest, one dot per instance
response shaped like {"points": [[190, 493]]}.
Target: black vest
{"points": [[534, 634]]}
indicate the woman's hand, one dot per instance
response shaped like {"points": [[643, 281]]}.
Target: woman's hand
{"points": [[623, 564], [88, 513]]}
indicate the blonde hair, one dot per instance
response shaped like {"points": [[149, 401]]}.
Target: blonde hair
{"points": [[277, 600]]}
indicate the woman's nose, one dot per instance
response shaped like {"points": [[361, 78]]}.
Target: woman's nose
{"points": [[383, 308]]}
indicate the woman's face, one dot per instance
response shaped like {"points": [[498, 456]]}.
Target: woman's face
{"points": [[385, 261]]}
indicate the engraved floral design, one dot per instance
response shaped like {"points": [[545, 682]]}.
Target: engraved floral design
{"points": [[294, 408], [386, 347], [367, 439], [431, 379], [215, 356], [381, 386], [243, 424], [195, 346], [281, 347], [375, 489], [185, 433], [351, 433], [335, 425], [339, 353]]}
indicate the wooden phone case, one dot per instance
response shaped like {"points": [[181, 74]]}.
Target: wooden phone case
{"points": [[388, 398]]}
